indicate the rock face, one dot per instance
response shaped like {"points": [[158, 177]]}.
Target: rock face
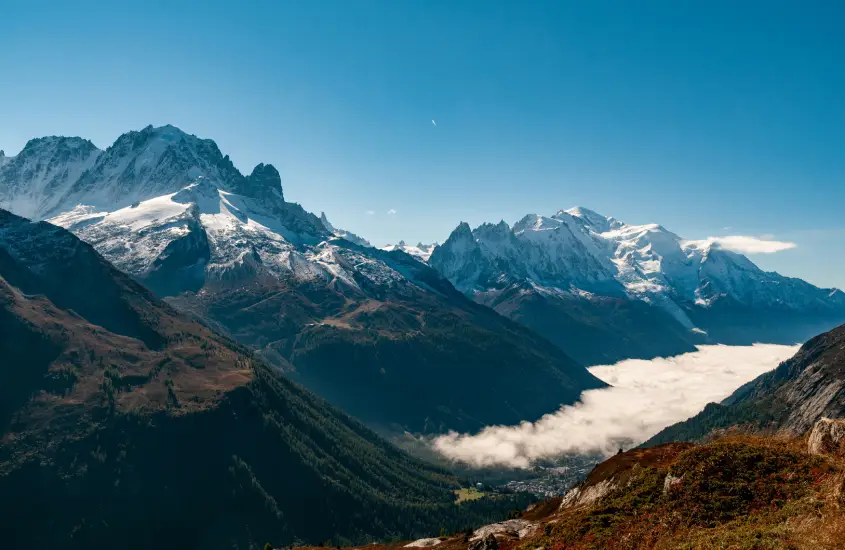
{"points": [[586, 495], [264, 183], [828, 436], [488, 542]]}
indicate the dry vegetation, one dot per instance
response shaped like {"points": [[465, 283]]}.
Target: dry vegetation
{"points": [[739, 492]]}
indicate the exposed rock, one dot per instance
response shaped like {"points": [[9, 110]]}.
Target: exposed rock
{"points": [[486, 543], [827, 437], [423, 543], [515, 528], [583, 496], [264, 182], [671, 481]]}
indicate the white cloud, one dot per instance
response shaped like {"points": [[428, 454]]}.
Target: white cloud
{"points": [[371, 212], [432, 121], [392, 211], [646, 397], [751, 245]]}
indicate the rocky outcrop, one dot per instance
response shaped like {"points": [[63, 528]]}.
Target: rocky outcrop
{"points": [[488, 542], [588, 494], [620, 471], [828, 436], [423, 543], [512, 528], [670, 482]]}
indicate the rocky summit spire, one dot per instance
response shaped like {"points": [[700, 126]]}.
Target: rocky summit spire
{"points": [[264, 182], [325, 221]]}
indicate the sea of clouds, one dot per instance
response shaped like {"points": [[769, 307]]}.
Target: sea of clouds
{"points": [[645, 397]]}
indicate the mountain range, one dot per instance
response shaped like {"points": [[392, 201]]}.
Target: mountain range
{"points": [[356, 324], [604, 290], [508, 314]]}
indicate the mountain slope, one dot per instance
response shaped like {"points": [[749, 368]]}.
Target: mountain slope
{"points": [[358, 325], [126, 424], [580, 279], [794, 396]]}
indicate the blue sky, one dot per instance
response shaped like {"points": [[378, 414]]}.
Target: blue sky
{"points": [[711, 118]]}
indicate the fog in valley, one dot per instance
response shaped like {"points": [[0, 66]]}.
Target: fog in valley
{"points": [[646, 396]]}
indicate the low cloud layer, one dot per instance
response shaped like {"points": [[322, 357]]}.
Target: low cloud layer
{"points": [[646, 397], [751, 245]]}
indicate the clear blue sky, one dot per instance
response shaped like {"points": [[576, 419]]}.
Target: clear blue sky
{"points": [[700, 116]]}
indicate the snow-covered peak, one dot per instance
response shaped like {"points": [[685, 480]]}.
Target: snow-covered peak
{"points": [[35, 179], [56, 174], [589, 218], [578, 250], [585, 213], [533, 222], [420, 251]]}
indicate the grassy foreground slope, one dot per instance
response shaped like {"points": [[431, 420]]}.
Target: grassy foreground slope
{"points": [[737, 492]]}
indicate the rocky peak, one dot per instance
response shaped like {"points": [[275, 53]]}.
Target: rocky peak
{"points": [[500, 230], [461, 233], [326, 223], [57, 148], [264, 183]]}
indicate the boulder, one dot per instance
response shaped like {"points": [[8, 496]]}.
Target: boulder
{"points": [[423, 543], [512, 528], [487, 542], [828, 436], [671, 481]]}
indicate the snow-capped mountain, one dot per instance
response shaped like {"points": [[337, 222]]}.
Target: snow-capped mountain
{"points": [[421, 251], [35, 180], [580, 257], [356, 324], [158, 192]]}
